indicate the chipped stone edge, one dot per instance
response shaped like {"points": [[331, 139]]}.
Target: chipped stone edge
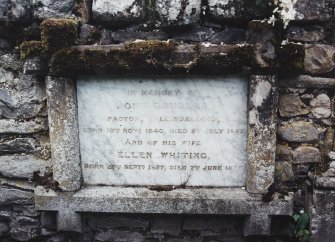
{"points": [[227, 201], [64, 133], [262, 117]]}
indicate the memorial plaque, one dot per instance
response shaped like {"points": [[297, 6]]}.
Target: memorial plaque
{"points": [[163, 131]]}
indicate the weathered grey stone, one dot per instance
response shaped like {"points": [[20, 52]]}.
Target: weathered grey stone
{"points": [[308, 10], [11, 61], [18, 146], [107, 199], [227, 9], [5, 213], [6, 77], [321, 106], [89, 34], [25, 210], [331, 171], [166, 225], [305, 81], [322, 213], [4, 228], [132, 35], [24, 228], [27, 100], [114, 12], [229, 36], [178, 12], [112, 221], [331, 155], [306, 154], [35, 66], [319, 58], [119, 236], [290, 105], [283, 172], [328, 142], [300, 131], [284, 153], [15, 196], [306, 33], [261, 133], [12, 126], [64, 137], [53, 8], [22, 166], [20, 184], [15, 11], [326, 182]]}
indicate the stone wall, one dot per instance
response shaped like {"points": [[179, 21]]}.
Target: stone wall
{"points": [[207, 36]]}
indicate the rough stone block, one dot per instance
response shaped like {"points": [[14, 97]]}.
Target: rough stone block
{"points": [[300, 131], [306, 154], [12, 126], [322, 212], [27, 100], [178, 12], [22, 166], [17, 146], [15, 196], [319, 59], [53, 8], [321, 106], [24, 228], [308, 10], [308, 34], [15, 11], [35, 66], [64, 136], [261, 133], [284, 153], [290, 105], [115, 12], [227, 9]]}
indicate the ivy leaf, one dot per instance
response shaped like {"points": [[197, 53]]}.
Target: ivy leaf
{"points": [[296, 217], [302, 222]]}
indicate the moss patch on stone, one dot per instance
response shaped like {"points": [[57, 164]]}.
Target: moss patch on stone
{"points": [[228, 59], [31, 48], [57, 34], [135, 56], [290, 58]]}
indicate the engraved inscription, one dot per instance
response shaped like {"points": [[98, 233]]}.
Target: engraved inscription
{"points": [[160, 131]]}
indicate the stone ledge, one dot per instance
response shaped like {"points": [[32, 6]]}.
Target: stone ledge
{"points": [[225, 201]]}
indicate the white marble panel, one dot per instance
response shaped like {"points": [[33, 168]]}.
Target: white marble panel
{"points": [[163, 131]]}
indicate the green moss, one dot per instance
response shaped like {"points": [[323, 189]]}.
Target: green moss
{"points": [[135, 56], [57, 34], [227, 60], [290, 58], [31, 48]]}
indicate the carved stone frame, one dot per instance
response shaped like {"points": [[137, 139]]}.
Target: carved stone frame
{"points": [[74, 199]]}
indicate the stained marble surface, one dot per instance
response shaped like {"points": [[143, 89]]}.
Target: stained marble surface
{"points": [[163, 131]]}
